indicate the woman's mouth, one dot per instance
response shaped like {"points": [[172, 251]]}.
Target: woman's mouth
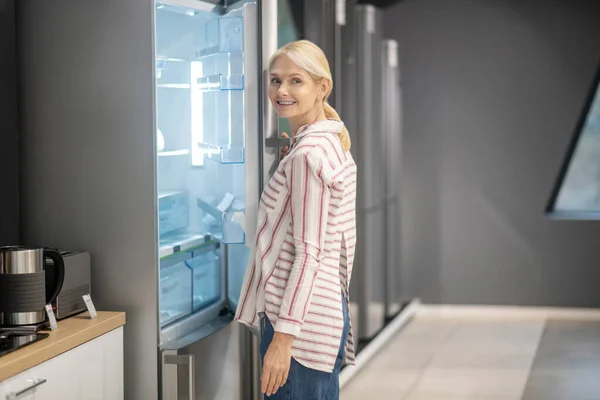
{"points": [[285, 104]]}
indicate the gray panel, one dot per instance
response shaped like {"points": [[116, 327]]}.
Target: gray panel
{"points": [[491, 97], [88, 157], [9, 195]]}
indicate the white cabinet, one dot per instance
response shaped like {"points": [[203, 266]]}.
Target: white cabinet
{"points": [[92, 371]]}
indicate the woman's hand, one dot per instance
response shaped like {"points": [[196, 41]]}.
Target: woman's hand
{"points": [[276, 365], [286, 149]]}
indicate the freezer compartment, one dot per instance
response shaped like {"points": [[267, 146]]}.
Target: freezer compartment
{"points": [[173, 211], [206, 272], [175, 288]]}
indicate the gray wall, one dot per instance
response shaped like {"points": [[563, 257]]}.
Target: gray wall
{"points": [[492, 93], [9, 194], [87, 155]]}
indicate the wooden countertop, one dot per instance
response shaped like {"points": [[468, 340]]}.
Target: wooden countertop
{"points": [[71, 332]]}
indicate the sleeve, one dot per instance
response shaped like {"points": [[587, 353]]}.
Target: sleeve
{"points": [[310, 196]]}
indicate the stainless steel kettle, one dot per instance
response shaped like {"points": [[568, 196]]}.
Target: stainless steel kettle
{"points": [[23, 283]]}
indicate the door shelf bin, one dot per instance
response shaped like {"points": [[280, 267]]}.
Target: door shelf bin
{"points": [[227, 226], [175, 288], [217, 98], [225, 34], [233, 227], [206, 272]]}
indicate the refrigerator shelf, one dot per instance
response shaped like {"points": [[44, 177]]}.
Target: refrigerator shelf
{"points": [[174, 85], [223, 155], [220, 82], [172, 153], [176, 243]]}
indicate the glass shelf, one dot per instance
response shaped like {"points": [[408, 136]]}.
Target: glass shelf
{"points": [[174, 85], [181, 241], [221, 82], [224, 155], [172, 153]]}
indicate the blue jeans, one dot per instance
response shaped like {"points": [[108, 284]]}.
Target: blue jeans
{"points": [[305, 383]]}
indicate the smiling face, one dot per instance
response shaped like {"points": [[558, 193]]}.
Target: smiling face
{"points": [[294, 93]]}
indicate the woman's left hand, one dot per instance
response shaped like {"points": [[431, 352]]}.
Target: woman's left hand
{"points": [[276, 365]]}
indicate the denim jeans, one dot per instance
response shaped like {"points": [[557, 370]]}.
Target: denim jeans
{"points": [[305, 383]]}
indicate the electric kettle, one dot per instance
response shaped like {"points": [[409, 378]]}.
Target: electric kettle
{"points": [[24, 277]]}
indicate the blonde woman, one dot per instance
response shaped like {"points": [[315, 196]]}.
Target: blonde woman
{"points": [[299, 272]]}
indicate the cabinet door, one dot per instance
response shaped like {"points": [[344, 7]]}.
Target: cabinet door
{"points": [[92, 371]]}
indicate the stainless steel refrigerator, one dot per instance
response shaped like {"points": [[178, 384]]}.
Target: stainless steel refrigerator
{"points": [[371, 108], [391, 117], [147, 136]]}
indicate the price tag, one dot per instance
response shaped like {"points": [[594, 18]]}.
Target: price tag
{"points": [[90, 306], [51, 317]]}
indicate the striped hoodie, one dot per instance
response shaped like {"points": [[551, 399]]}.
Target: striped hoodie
{"points": [[301, 263]]}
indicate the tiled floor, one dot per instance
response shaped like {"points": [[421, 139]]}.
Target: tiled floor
{"points": [[444, 359]]}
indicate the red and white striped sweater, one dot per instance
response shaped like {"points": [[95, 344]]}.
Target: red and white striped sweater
{"points": [[301, 263]]}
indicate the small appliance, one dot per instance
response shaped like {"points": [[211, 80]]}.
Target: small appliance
{"points": [[28, 283], [76, 284]]}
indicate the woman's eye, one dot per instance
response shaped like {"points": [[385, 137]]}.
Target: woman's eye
{"points": [[274, 81], [296, 81]]}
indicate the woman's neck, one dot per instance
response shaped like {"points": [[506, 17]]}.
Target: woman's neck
{"points": [[299, 122]]}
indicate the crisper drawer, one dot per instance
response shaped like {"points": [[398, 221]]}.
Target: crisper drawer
{"points": [[206, 272], [175, 288], [173, 211]]}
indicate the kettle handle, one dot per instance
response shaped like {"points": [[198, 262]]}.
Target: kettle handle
{"points": [[59, 270]]}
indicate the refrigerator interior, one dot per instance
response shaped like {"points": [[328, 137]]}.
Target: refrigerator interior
{"points": [[201, 170]]}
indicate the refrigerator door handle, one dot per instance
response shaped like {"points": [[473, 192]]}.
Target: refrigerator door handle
{"points": [[278, 142], [187, 359]]}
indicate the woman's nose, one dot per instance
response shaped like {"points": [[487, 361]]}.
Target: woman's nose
{"points": [[282, 91]]}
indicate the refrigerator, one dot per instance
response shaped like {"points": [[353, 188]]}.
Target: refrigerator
{"points": [[361, 112], [391, 117], [371, 109], [147, 136]]}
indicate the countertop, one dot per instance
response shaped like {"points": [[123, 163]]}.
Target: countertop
{"points": [[71, 332]]}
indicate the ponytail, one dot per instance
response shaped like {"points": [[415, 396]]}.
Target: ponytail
{"points": [[344, 135]]}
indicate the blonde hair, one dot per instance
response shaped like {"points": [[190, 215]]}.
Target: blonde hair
{"points": [[311, 58]]}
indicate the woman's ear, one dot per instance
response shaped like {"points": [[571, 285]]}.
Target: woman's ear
{"points": [[325, 88]]}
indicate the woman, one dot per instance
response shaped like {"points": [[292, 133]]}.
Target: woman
{"points": [[299, 272]]}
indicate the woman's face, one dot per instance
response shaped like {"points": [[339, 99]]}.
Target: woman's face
{"points": [[293, 92]]}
